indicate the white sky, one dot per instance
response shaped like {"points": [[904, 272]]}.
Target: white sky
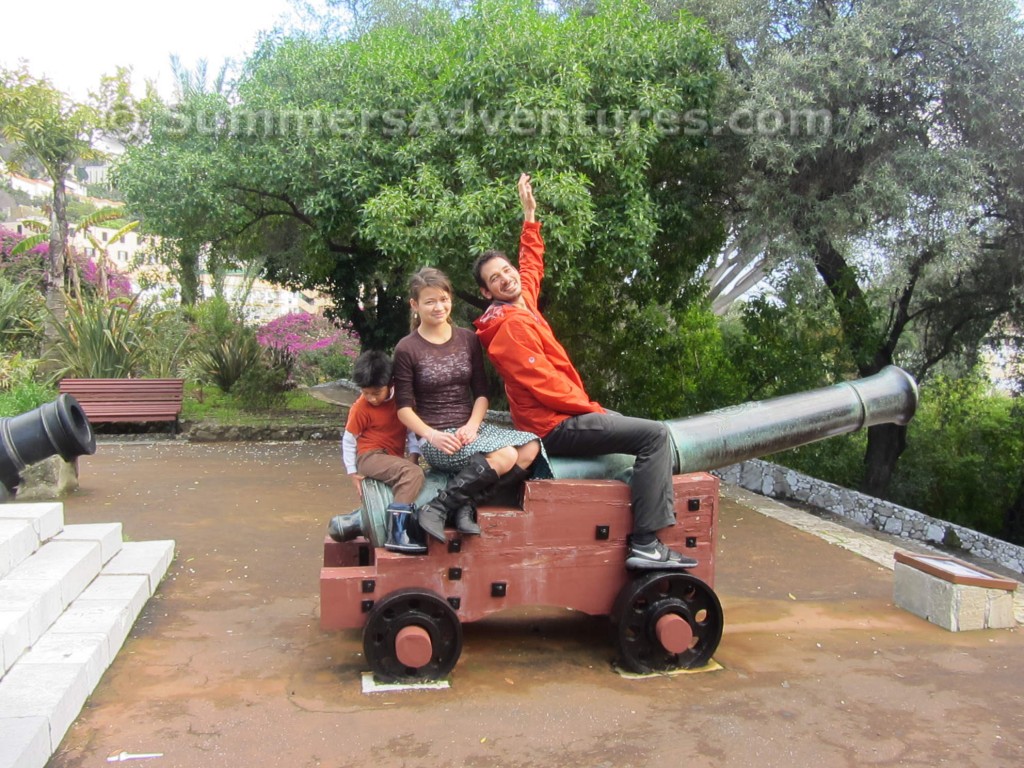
{"points": [[74, 43]]}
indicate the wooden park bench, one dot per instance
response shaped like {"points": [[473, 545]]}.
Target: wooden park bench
{"points": [[127, 400]]}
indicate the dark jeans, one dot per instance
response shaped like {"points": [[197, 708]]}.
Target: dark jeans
{"points": [[593, 434]]}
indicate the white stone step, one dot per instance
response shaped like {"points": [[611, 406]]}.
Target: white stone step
{"points": [[41, 587], [47, 518], [44, 691], [24, 528], [18, 540]]}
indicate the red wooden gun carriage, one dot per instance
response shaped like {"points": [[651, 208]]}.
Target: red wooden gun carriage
{"points": [[564, 544]]}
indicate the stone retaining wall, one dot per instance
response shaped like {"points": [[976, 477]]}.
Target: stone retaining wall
{"points": [[780, 482]]}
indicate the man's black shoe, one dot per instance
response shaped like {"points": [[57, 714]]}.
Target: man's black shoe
{"points": [[656, 556]]}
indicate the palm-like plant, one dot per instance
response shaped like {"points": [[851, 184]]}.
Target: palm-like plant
{"points": [[224, 361], [100, 339], [21, 312]]}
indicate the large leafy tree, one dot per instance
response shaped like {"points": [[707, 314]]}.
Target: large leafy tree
{"points": [[44, 125], [878, 142], [348, 163]]}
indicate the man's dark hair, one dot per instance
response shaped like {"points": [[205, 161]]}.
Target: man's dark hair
{"points": [[483, 258], [372, 369]]}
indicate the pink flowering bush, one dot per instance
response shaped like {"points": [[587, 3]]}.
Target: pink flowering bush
{"points": [[29, 267], [118, 285], [316, 348], [26, 267]]}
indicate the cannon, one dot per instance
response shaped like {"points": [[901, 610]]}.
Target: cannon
{"points": [[56, 428], [564, 543]]}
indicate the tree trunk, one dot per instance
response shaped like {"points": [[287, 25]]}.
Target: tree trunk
{"points": [[886, 442], [1013, 519], [188, 274], [56, 267]]}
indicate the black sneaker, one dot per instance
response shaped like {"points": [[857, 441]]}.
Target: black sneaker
{"points": [[656, 556]]}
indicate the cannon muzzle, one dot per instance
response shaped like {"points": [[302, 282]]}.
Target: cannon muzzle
{"points": [[58, 428]]}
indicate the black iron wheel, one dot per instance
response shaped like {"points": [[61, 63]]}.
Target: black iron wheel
{"points": [[648, 598], [411, 608]]}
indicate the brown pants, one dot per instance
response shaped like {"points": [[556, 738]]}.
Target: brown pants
{"points": [[403, 477]]}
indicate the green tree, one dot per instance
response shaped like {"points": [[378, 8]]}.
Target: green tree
{"points": [[44, 125], [879, 143], [347, 164]]}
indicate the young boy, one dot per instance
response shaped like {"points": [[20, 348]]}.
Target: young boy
{"points": [[374, 446]]}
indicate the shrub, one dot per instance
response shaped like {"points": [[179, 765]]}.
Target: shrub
{"points": [[15, 370], [119, 286], [26, 268], [102, 339], [24, 397], [22, 311], [319, 349], [171, 345], [965, 456], [261, 387], [222, 363]]}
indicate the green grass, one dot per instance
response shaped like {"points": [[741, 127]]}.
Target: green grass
{"points": [[209, 404]]}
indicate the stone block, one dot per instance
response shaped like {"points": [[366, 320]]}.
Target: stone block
{"points": [[18, 540], [132, 589], [53, 691], [108, 535], [14, 637], [70, 564], [112, 618], [149, 558], [38, 602], [89, 650], [51, 478], [24, 742], [951, 594], [46, 517]]}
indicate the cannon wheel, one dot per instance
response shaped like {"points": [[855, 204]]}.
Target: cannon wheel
{"points": [[412, 634], [666, 620]]}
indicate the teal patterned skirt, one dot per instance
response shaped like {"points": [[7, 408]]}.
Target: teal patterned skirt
{"points": [[489, 438]]}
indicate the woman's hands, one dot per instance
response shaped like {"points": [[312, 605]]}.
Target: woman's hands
{"points": [[446, 442], [453, 442]]}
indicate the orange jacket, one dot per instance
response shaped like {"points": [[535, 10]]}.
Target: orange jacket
{"points": [[543, 387]]}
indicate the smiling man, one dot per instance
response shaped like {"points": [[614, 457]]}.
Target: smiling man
{"points": [[546, 394]]}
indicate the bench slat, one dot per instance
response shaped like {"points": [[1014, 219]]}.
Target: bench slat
{"points": [[127, 400]]}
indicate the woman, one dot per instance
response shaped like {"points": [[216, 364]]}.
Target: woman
{"points": [[441, 392]]}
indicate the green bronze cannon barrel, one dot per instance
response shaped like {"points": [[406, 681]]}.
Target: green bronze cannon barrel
{"points": [[707, 441], [730, 435]]}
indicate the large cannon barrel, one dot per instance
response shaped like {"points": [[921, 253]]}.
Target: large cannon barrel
{"points": [[709, 440], [56, 428], [730, 435]]}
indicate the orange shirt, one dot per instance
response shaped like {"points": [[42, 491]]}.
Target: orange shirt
{"points": [[376, 427]]}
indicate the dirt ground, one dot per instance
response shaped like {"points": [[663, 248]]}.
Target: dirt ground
{"points": [[227, 665]]}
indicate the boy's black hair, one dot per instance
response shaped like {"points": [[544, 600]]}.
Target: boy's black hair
{"points": [[372, 369]]}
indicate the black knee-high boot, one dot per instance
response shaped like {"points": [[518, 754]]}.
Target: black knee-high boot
{"points": [[469, 484]]}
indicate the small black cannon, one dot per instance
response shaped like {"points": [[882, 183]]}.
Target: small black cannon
{"points": [[59, 428]]}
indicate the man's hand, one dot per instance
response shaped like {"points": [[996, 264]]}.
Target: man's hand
{"points": [[526, 197]]}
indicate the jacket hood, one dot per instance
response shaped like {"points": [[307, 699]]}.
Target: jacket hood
{"points": [[489, 322]]}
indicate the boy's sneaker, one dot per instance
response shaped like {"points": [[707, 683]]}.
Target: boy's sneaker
{"points": [[656, 556]]}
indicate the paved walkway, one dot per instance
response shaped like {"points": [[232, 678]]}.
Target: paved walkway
{"points": [[227, 665]]}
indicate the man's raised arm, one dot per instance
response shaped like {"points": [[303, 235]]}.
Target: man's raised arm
{"points": [[526, 197]]}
